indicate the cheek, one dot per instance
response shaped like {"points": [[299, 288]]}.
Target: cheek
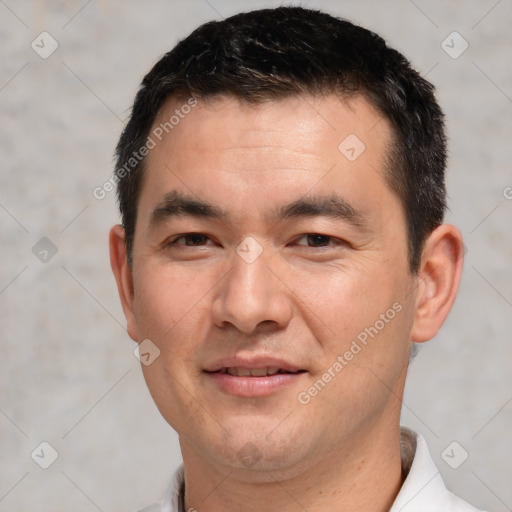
{"points": [[362, 316], [166, 299], [347, 300], [170, 311]]}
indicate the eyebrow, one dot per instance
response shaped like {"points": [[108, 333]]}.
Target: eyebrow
{"points": [[177, 204], [333, 206]]}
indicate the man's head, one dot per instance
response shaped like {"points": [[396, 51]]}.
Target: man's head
{"points": [[278, 53], [287, 220]]}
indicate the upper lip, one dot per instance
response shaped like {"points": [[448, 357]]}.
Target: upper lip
{"points": [[253, 362]]}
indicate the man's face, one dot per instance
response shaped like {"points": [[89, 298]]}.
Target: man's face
{"points": [[262, 243]]}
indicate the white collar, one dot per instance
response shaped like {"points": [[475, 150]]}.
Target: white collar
{"points": [[422, 491]]}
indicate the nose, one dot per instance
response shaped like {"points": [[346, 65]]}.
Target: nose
{"points": [[252, 297]]}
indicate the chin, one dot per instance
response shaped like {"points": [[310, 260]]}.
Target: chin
{"points": [[257, 445]]}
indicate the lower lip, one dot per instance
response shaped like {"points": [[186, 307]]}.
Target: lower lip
{"points": [[254, 386]]}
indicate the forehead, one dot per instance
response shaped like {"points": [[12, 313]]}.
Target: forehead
{"points": [[300, 122], [221, 146]]}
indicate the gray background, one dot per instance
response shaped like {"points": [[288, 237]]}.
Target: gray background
{"points": [[69, 376]]}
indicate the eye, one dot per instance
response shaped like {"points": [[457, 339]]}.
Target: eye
{"points": [[190, 240], [318, 240]]}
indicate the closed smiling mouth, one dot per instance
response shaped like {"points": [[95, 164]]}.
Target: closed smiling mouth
{"points": [[254, 372], [253, 377]]}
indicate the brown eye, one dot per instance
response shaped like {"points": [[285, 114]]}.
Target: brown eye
{"points": [[315, 240], [191, 240]]}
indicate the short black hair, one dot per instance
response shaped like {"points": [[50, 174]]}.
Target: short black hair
{"points": [[270, 54]]}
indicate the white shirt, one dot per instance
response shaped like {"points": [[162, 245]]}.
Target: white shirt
{"points": [[422, 491]]}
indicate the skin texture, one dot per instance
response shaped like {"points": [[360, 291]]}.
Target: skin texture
{"points": [[297, 301]]}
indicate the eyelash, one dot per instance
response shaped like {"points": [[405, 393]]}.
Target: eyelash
{"points": [[333, 241], [173, 242]]}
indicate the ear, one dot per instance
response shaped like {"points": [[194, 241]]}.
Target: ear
{"points": [[438, 278], [123, 274]]}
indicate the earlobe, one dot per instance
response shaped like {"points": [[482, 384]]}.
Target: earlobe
{"points": [[438, 281], [123, 274]]}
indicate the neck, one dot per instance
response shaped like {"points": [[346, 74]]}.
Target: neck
{"points": [[364, 473]]}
